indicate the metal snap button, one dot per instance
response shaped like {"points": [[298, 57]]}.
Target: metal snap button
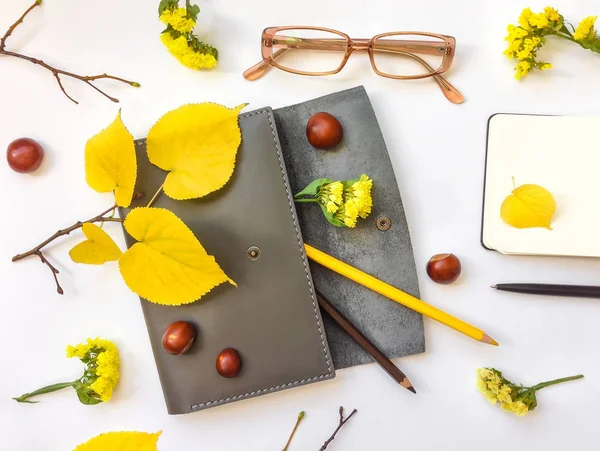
{"points": [[253, 253], [383, 223]]}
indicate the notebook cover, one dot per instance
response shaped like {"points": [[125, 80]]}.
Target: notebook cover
{"points": [[387, 255], [272, 319]]}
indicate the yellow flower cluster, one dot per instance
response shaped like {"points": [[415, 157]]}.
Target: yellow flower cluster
{"points": [[497, 389], [178, 19], [180, 49], [357, 202], [525, 40], [585, 30], [331, 196], [102, 360]]}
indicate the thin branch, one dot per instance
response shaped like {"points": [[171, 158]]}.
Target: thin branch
{"points": [[87, 79], [158, 193], [342, 423], [17, 23], [287, 445], [59, 289]]}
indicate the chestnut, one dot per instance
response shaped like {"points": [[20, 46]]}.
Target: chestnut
{"points": [[443, 268], [229, 363], [24, 155], [178, 337], [324, 131]]}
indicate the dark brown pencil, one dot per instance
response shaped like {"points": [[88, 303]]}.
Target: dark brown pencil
{"points": [[365, 343]]}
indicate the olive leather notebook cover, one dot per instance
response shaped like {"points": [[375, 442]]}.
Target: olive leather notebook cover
{"points": [[272, 319], [386, 254]]}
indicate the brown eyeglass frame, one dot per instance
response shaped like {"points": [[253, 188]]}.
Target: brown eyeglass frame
{"points": [[407, 48]]}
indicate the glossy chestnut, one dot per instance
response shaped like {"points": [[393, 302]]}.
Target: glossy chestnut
{"points": [[24, 155], [229, 363], [178, 337], [324, 131], [444, 268]]}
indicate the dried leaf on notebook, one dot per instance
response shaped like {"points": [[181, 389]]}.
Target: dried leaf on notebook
{"points": [[167, 265], [528, 206], [197, 144]]}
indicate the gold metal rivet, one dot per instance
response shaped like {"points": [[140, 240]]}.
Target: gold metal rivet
{"points": [[253, 253], [383, 223]]}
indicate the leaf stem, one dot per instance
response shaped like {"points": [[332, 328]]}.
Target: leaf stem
{"points": [[300, 416], [57, 73], [556, 381], [158, 193], [43, 390]]}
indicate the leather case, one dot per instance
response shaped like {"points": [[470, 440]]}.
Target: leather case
{"points": [[387, 255], [272, 318]]}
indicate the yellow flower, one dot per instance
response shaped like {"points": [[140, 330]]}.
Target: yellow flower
{"points": [[538, 21], [551, 14], [522, 69], [504, 394], [361, 190], [332, 207], [524, 18], [585, 30], [336, 189], [545, 66], [348, 213], [178, 19], [520, 408], [180, 49]]}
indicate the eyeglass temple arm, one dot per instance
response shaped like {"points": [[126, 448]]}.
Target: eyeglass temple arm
{"points": [[449, 91], [261, 68]]}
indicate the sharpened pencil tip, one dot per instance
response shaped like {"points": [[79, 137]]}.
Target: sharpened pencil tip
{"points": [[489, 340], [494, 286], [408, 385]]}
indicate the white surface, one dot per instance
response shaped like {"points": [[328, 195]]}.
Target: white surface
{"points": [[438, 152], [557, 153]]}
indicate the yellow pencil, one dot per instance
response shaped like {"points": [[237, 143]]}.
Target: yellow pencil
{"points": [[397, 295]]}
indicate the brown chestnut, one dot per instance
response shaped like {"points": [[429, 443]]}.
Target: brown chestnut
{"points": [[229, 363], [324, 131], [443, 268], [24, 155], [178, 337]]}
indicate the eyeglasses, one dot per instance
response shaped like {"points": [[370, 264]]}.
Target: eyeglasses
{"points": [[322, 51]]}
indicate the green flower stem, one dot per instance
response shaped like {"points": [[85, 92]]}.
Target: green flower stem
{"points": [[41, 391], [556, 381], [306, 200]]}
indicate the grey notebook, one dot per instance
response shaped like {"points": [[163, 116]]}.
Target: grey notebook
{"points": [[385, 254], [272, 319]]}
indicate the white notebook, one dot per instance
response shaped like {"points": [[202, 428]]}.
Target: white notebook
{"points": [[560, 153]]}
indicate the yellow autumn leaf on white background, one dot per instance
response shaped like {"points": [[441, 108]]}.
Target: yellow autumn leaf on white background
{"points": [[168, 265], [110, 162], [121, 441], [98, 249], [197, 144], [528, 206]]}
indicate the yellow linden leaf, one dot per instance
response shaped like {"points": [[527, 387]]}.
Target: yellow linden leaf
{"points": [[528, 206], [197, 144], [98, 249], [168, 265], [121, 441], [110, 162]]}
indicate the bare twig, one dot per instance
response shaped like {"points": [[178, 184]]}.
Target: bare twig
{"points": [[38, 249], [342, 422], [300, 416], [87, 79]]}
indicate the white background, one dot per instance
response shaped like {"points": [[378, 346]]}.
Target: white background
{"points": [[437, 150]]}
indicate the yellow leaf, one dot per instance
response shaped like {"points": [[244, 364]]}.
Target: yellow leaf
{"points": [[121, 441], [168, 265], [110, 162], [197, 144], [98, 249], [528, 206]]}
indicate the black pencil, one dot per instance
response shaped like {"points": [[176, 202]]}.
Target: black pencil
{"points": [[365, 343], [578, 291]]}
